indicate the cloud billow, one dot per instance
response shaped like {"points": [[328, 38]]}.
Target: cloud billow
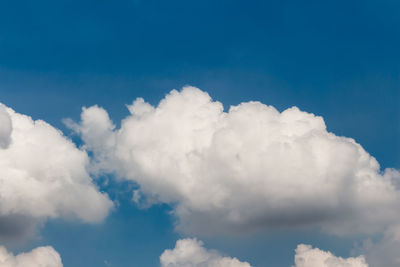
{"points": [[190, 252], [252, 167], [38, 257], [306, 256], [42, 175]]}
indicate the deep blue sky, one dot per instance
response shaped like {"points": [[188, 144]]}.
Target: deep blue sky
{"points": [[337, 59]]}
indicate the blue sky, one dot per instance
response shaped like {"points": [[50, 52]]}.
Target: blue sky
{"points": [[336, 59]]}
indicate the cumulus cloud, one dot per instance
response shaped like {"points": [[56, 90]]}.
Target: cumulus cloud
{"points": [[38, 257], [248, 168], [191, 253], [306, 256], [42, 175]]}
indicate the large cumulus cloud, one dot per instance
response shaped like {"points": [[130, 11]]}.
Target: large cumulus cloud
{"points": [[42, 175], [38, 257], [191, 253], [250, 167]]}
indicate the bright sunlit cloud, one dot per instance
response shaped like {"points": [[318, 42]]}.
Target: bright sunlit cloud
{"points": [[42, 175], [38, 257], [249, 168]]}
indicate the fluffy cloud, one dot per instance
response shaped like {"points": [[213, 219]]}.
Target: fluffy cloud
{"points": [[250, 167], [306, 256], [39, 257], [191, 253], [42, 175]]}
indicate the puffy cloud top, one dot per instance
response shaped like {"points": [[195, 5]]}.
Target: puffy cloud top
{"points": [[306, 256], [248, 168], [191, 253], [39, 257], [43, 174]]}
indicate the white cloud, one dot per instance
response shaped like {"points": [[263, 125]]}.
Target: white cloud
{"points": [[384, 251], [191, 253], [306, 256], [38, 257], [42, 175], [251, 167]]}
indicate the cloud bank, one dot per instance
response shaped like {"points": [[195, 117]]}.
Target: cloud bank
{"points": [[38, 257], [248, 168], [191, 253], [42, 175]]}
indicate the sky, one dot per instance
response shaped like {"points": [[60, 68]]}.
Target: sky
{"points": [[166, 133]]}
